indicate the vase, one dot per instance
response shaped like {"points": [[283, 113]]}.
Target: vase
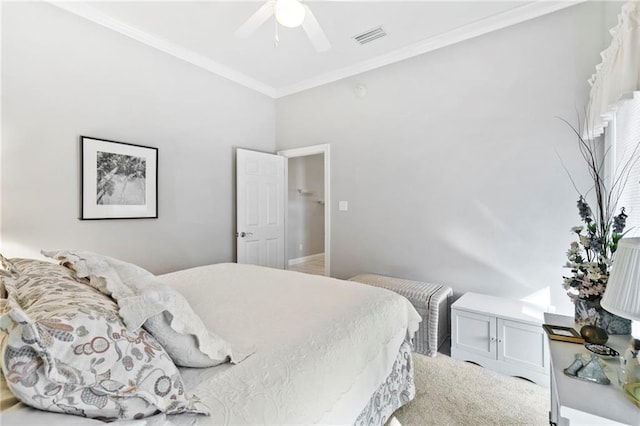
{"points": [[589, 312]]}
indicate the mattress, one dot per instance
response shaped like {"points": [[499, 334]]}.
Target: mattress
{"points": [[321, 347]]}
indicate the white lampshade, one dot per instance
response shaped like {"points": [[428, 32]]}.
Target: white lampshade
{"points": [[289, 13], [622, 295]]}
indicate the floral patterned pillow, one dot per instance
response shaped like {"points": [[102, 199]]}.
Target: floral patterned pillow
{"points": [[143, 300], [39, 267], [65, 349]]}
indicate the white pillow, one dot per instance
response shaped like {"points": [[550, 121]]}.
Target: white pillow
{"points": [[145, 301]]}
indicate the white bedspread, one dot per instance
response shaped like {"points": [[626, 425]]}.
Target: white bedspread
{"points": [[322, 345]]}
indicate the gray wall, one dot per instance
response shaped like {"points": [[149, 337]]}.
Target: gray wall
{"points": [[305, 221], [450, 163], [62, 77]]}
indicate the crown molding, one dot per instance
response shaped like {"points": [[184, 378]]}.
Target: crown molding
{"points": [[484, 26], [85, 11], [492, 23]]}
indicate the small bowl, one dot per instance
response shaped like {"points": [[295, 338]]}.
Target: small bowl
{"points": [[594, 334], [603, 351]]}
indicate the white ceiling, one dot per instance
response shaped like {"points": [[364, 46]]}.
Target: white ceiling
{"points": [[202, 32]]}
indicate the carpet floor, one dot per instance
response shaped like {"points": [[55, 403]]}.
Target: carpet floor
{"points": [[455, 393]]}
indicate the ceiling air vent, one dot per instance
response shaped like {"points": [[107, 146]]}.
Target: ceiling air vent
{"points": [[370, 35]]}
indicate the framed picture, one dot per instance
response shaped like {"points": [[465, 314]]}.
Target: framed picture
{"points": [[564, 334], [119, 180]]}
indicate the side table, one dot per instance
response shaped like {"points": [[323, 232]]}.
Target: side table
{"points": [[576, 402]]}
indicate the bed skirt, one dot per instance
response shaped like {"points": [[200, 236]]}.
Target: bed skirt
{"points": [[397, 390]]}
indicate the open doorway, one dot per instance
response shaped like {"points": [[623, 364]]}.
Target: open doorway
{"points": [[307, 232]]}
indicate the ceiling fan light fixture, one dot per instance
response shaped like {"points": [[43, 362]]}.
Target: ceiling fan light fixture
{"points": [[289, 13]]}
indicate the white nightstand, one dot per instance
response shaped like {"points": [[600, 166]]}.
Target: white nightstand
{"points": [[576, 402], [500, 334]]}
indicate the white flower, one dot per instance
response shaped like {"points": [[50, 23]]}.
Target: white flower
{"points": [[584, 240], [573, 249], [594, 276]]}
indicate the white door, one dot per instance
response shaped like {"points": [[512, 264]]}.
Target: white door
{"points": [[260, 180], [473, 333], [523, 344]]}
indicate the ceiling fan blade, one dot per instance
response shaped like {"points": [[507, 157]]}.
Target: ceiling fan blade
{"points": [[256, 20], [314, 31]]}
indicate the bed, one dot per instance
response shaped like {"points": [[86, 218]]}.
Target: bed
{"points": [[309, 349]]}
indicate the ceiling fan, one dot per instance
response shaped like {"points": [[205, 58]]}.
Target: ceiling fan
{"points": [[290, 14]]}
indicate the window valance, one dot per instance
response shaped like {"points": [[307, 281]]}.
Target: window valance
{"points": [[618, 75]]}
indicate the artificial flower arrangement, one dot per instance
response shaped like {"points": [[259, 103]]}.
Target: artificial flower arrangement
{"points": [[590, 257]]}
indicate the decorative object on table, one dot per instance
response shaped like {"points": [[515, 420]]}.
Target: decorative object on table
{"points": [[590, 312], [576, 365], [563, 334], [119, 180], [632, 391], [623, 298], [590, 371], [603, 351], [629, 372], [594, 334], [590, 257], [631, 363]]}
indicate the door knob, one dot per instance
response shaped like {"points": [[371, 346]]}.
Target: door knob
{"points": [[244, 234]]}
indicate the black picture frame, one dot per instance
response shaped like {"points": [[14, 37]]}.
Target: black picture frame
{"points": [[118, 180], [563, 334]]}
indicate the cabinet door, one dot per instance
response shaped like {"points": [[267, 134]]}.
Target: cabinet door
{"points": [[523, 345], [473, 332]]}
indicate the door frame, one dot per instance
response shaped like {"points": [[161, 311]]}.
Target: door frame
{"points": [[303, 152]]}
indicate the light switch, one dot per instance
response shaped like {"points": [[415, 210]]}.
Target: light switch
{"points": [[343, 206]]}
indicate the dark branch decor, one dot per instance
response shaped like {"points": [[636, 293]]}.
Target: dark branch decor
{"points": [[119, 180], [590, 257]]}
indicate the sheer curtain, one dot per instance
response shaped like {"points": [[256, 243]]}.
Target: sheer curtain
{"points": [[618, 76], [621, 137], [614, 110]]}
